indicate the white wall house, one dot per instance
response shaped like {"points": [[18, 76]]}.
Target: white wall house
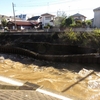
{"points": [[78, 16], [96, 21], [47, 19], [22, 16], [11, 18]]}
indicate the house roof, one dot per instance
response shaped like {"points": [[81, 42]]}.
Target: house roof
{"points": [[9, 17], [16, 18], [3, 16], [25, 23], [96, 9], [47, 14], [34, 18], [77, 15]]}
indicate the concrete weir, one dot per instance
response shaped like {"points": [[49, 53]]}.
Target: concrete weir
{"points": [[37, 92]]}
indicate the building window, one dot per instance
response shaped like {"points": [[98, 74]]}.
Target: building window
{"points": [[47, 18], [24, 16]]}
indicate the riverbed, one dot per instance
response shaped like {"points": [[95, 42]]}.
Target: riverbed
{"points": [[54, 75]]}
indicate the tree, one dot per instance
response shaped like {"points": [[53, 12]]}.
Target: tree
{"points": [[60, 19], [84, 24], [89, 22], [68, 21], [4, 22]]}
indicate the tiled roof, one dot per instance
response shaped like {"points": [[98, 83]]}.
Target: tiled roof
{"points": [[77, 15], [34, 18], [47, 14], [96, 9], [25, 23]]}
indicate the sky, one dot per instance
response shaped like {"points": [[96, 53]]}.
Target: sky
{"points": [[38, 7]]}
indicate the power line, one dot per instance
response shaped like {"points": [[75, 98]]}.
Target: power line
{"points": [[48, 4], [45, 3], [66, 11]]}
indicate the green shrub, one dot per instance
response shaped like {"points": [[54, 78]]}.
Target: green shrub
{"points": [[87, 39], [96, 32]]}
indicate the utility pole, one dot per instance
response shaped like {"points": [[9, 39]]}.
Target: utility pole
{"points": [[14, 14]]}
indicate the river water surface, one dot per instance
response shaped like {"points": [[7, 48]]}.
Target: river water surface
{"points": [[57, 76]]}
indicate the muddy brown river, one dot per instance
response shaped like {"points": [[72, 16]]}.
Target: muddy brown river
{"points": [[57, 76]]}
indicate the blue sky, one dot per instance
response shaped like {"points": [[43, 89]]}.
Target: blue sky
{"points": [[37, 7]]}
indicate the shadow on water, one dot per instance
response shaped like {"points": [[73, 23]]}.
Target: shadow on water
{"points": [[76, 67]]}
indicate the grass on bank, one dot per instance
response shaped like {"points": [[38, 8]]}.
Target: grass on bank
{"points": [[88, 39]]}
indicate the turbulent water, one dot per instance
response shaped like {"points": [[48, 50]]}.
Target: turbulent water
{"points": [[57, 76]]}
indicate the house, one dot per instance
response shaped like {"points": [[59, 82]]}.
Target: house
{"points": [[20, 25], [22, 16], [35, 19], [11, 18], [8, 18], [96, 20], [46, 19], [43, 20], [78, 16]]}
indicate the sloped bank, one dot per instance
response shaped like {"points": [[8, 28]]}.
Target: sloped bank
{"points": [[50, 46], [84, 39], [55, 49]]}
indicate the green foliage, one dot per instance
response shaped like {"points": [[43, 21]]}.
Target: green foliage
{"points": [[45, 27], [4, 22], [48, 26], [89, 22], [60, 21], [90, 39], [71, 35], [73, 25], [78, 23], [84, 24], [63, 23], [69, 21], [96, 32]]}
